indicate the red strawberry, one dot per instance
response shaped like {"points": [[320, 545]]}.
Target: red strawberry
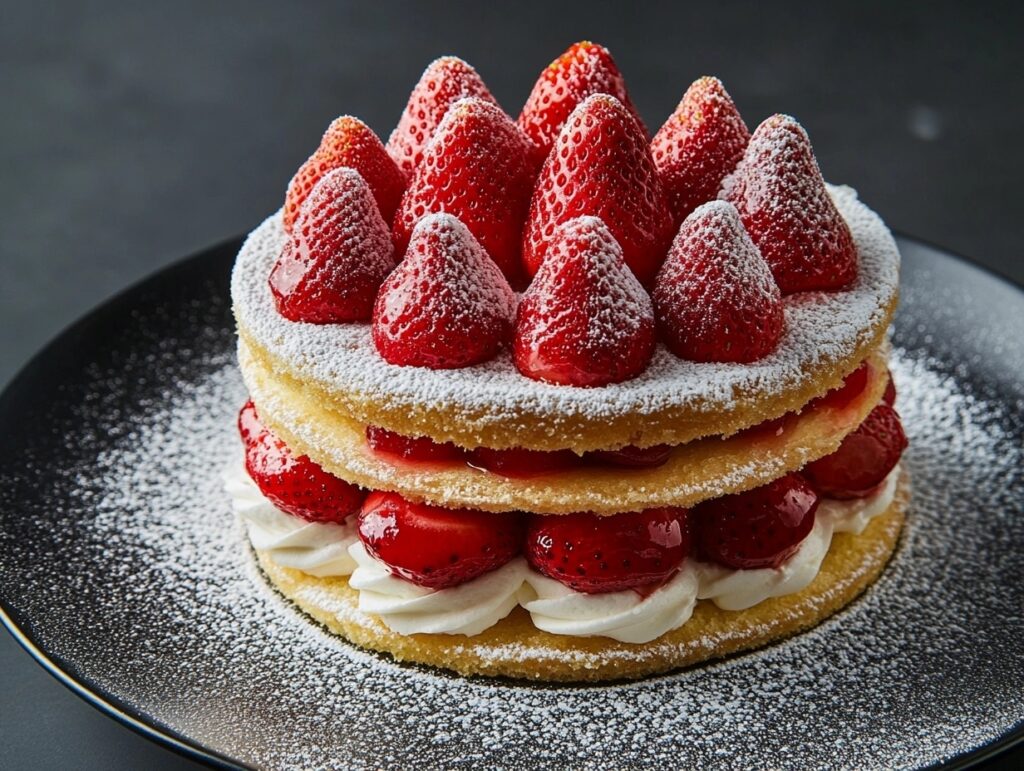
{"points": [[446, 305], [601, 166], [594, 555], [477, 169], [715, 298], [295, 485], [634, 457], [889, 397], [348, 142], [583, 70], [442, 84], [760, 528], [330, 269], [852, 387], [420, 448], [585, 320], [863, 460], [520, 463], [433, 546], [778, 190], [700, 143]]}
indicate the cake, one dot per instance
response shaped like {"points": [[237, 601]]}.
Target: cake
{"points": [[546, 398]]}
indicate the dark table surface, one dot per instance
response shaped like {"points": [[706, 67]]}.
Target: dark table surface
{"points": [[133, 135]]}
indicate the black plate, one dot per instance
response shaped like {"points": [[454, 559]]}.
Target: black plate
{"points": [[123, 573]]}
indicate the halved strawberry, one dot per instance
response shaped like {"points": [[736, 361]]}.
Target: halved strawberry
{"points": [[419, 448], [700, 143], [447, 304], [778, 190], [633, 457], [330, 269], [520, 463], [295, 485], [583, 70], [715, 298], [889, 397], [442, 84], [760, 528], [852, 387], [585, 320], [863, 460], [433, 546], [477, 169], [601, 166], [595, 555], [347, 142]]}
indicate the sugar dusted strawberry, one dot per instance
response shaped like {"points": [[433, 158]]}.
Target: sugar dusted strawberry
{"points": [[421, 449], [442, 84], [863, 460], [700, 143], [715, 298], [347, 142], [781, 197], [436, 547], [476, 168], [760, 528], [331, 267], [585, 320], [583, 70], [595, 555], [295, 485], [601, 166], [447, 304], [520, 463]]}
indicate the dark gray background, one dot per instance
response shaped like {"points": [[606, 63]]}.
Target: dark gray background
{"points": [[132, 135]]}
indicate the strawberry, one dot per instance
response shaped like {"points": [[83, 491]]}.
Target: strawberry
{"points": [[782, 199], [715, 298], [595, 555], [889, 397], [442, 84], [852, 387], [585, 320], [436, 547], [601, 166], [583, 70], [700, 143], [863, 460], [295, 485], [446, 305], [347, 142], [760, 528], [477, 169], [633, 457], [520, 463], [421, 448], [330, 269]]}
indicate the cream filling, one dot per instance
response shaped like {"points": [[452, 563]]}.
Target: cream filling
{"points": [[470, 608]]}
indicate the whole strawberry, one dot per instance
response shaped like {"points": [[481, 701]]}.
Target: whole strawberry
{"points": [[864, 459], [601, 166], [446, 305], [585, 320], [595, 555], [442, 84], [700, 143], [760, 528], [780, 195], [295, 485], [347, 142], [330, 269], [436, 547], [715, 298], [583, 70], [476, 168]]}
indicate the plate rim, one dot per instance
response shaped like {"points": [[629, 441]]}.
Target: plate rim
{"points": [[144, 724]]}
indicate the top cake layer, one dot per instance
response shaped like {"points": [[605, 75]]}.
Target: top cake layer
{"points": [[493, 405]]}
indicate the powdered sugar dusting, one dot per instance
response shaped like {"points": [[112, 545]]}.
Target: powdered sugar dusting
{"points": [[341, 358], [132, 568]]}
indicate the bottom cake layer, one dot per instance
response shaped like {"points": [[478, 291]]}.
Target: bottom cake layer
{"points": [[514, 647]]}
